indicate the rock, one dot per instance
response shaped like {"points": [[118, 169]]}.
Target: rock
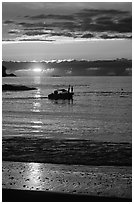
{"points": [[4, 74]]}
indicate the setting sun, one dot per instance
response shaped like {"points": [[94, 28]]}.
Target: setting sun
{"points": [[37, 70]]}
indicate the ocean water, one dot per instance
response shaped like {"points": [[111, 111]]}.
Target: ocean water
{"points": [[98, 112]]}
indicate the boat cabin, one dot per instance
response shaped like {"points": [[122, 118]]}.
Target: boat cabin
{"points": [[61, 94]]}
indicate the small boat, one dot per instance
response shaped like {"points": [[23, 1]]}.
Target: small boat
{"points": [[61, 94], [123, 94]]}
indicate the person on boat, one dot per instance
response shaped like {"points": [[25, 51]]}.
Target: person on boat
{"points": [[121, 91], [69, 89], [56, 92], [72, 89]]}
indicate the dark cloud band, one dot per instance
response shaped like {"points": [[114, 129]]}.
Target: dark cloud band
{"points": [[88, 23]]}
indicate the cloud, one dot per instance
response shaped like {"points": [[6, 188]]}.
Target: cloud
{"points": [[88, 13], [66, 34], [34, 25], [88, 35], [48, 34], [89, 68], [52, 16], [105, 36], [87, 23], [38, 29], [105, 20], [125, 24], [36, 39], [71, 26], [14, 31], [7, 22], [32, 33]]}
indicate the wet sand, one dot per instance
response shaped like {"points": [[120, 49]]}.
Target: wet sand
{"points": [[37, 169], [54, 182]]}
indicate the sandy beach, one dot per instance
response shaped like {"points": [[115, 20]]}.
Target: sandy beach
{"points": [[50, 170], [87, 181]]}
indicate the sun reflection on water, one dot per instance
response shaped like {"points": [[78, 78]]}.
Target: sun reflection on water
{"points": [[37, 102], [37, 126], [37, 79], [37, 94], [36, 108]]}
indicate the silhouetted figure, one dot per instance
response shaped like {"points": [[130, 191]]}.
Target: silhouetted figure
{"points": [[72, 89], [56, 92], [69, 89], [122, 91]]}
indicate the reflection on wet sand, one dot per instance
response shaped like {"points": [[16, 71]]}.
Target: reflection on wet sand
{"points": [[33, 175], [75, 179]]}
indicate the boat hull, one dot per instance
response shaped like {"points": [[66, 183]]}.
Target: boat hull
{"points": [[64, 96]]}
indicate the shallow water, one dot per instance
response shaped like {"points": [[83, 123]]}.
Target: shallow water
{"points": [[99, 111], [80, 152]]}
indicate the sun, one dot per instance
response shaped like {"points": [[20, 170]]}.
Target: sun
{"points": [[37, 70]]}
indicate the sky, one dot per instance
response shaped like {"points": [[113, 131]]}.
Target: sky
{"points": [[66, 30]]}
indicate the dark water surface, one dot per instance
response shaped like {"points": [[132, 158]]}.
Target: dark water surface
{"points": [[83, 152]]}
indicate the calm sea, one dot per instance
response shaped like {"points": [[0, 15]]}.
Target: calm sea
{"points": [[98, 112]]}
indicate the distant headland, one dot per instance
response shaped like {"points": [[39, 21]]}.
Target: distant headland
{"points": [[4, 74], [13, 87]]}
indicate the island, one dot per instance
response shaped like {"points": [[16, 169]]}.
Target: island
{"points": [[14, 87]]}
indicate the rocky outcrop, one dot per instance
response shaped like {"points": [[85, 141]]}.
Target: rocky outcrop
{"points": [[4, 74]]}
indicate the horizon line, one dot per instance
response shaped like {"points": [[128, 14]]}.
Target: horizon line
{"points": [[66, 60]]}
